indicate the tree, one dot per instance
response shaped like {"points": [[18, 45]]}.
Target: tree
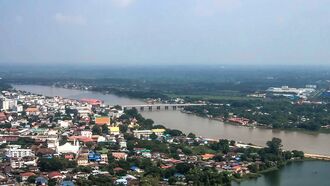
{"points": [[96, 130], [172, 180], [149, 181], [183, 168], [105, 129], [123, 128], [191, 135], [298, 154], [153, 136], [90, 144], [55, 164], [31, 179], [274, 146]]}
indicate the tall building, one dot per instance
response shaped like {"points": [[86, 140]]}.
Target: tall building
{"points": [[8, 104]]}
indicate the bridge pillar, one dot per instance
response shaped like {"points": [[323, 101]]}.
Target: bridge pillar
{"points": [[174, 107], [166, 107], [158, 107], [141, 108], [150, 108]]}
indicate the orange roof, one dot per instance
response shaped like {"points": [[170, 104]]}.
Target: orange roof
{"points": [[207, 156], [102, 120], [80, 138], [31, 109], [119, 155]]}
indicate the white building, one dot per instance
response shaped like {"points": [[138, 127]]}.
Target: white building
{"points": [[86, 133], [68, 148], [15, 151], [8, 104], [65, 123]]}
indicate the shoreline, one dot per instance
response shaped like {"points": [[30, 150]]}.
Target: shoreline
{"points": [[324, 131]]}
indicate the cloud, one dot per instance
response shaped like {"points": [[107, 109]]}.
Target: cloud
{"points": [[123, 3], [69, 19]]}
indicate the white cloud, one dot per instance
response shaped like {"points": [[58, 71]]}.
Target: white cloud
{"points": [[123, 3], [69, 19]]}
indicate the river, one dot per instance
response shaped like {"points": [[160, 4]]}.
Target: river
{"points": [[309, 173], [309, 142], [305, 173]]}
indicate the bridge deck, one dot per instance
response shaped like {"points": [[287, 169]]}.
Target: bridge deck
{"points": [[163, 105]]}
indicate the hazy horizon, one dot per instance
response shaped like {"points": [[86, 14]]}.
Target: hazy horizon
{"points": [[160, 33]]}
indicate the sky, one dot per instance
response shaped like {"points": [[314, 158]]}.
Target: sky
{"points": [[112, 32]]}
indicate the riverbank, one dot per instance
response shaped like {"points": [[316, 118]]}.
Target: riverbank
{"points": [[322, 130]]}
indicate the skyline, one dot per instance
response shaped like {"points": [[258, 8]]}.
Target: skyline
{"points": [[132, 32]]}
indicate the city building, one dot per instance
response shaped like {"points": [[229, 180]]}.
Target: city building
{"points": [[15, 151]]}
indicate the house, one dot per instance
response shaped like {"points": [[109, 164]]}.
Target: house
{"points": [[69, 156], [207, 156], [158, 132], [41, 181], [26, 175], [68, 148], [55, 175], [114, 130], [32, 111], [82, 160], [121, 182], [93, 156], [136, 169], [16, 163], [102, 120], [123, 144], [65, 123], [142, 133], [3, 116], [119, 155], [104, 159], [67, 183], [86, 133]]}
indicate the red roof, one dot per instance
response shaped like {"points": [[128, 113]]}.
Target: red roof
{"points": [[54, 174], [27, 174], [92, 101]]}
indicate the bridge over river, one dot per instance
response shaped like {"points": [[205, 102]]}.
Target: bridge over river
{"points": [[151, 107]]}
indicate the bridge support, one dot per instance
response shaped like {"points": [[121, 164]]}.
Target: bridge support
{"points": [[150, 108], [141, 108], [166, 107], [174, 107]]}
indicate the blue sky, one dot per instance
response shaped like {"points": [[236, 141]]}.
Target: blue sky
{"points": [[267, 32]]}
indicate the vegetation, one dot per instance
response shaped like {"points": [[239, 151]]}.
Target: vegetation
{"points": [[275, 114], [55, 164]]}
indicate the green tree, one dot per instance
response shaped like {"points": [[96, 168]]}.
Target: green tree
{"points": [[153, 136], [31, 179], [274, 146], [191, 135], [96, 130]]}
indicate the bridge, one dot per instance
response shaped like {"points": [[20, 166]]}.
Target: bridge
{"points": [[150, 107]]}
